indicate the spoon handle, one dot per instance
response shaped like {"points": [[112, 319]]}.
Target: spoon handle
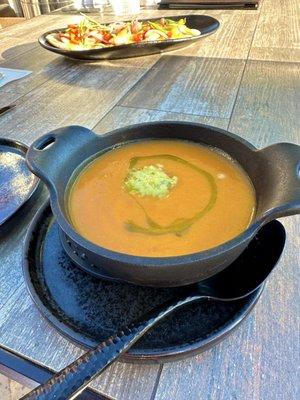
{"points": [[73, 379]]}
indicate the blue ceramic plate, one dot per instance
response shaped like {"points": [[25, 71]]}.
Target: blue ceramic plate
{"points": [[17, 183]]}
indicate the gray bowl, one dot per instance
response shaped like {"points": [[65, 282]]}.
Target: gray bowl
{"points": [[274, 172]]}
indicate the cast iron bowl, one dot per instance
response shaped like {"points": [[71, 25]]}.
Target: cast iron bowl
{"points": [[274, 172], [204, 23]]}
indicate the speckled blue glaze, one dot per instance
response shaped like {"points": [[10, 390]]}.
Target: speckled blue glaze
{"points": [[17, 183]]}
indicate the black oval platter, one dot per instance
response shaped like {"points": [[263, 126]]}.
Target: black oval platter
{"points": [[206, 24], [87, 310]]}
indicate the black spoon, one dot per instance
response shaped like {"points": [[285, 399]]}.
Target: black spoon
{"points": [[241, 280]]}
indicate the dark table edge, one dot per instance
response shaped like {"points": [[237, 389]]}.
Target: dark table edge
{"points": [[29, 373]]}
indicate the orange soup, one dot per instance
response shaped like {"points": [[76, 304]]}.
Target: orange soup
{"points": [[161, 198]]}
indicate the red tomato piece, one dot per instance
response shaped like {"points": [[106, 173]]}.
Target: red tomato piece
{"points": [[106, 37], [138, 37]]}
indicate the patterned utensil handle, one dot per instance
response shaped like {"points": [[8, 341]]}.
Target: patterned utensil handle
{"points": [[73, 379]]}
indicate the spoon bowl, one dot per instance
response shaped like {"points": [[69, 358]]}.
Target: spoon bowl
{"points": [[241, 282]]}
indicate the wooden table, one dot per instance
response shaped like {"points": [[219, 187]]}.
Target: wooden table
{"points": [[244, 78]]}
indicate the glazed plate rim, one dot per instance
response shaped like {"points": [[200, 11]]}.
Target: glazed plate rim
{"points": [[22, 148]]}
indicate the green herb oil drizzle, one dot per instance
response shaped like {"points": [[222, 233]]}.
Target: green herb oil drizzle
{"points": [[180, 224]]}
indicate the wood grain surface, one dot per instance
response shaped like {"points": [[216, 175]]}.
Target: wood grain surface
{"points": [[232, 39], [189, 85], [121, 116], [22, 37], [267, 106], [11, 390], [277, 37], [35, 61], [74, 93], [245, 78]]}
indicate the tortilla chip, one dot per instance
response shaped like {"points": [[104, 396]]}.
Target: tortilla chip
{"points": [[52, 39]]}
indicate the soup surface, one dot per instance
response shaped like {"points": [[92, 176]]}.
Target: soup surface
{"points": [[161, 198]]}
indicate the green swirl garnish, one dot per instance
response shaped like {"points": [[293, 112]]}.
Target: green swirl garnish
{"points": [[180, 224]]}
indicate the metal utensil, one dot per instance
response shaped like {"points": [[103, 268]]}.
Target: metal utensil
{"points": [[70, 381], [6, 108]]}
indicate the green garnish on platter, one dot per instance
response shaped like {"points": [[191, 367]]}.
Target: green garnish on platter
{"points": [[180, 224], [150, 180]]}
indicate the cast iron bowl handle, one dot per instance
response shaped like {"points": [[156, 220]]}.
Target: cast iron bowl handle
{"points": [[282, 182], [73, 379], [46, 156]]}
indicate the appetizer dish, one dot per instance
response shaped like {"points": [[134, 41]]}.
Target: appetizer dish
{"points": [[160, 198], [90, 34]]}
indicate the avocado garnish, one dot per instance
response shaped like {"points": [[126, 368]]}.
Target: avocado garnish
{"points": [[135, 183], [150, 180]]}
